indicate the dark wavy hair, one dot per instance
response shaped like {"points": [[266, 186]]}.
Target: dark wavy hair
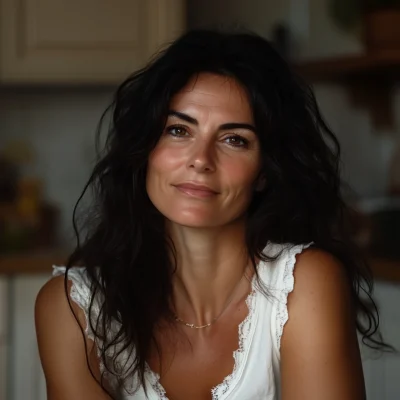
{"points": [[126, 250]]}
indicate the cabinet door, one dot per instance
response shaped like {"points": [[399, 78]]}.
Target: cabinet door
{"points": [[83, 41], [27, 378], [382, 371], [3, 337]]}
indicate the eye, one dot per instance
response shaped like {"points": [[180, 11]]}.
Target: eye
{"points": [[237, 141], [177, 131]]}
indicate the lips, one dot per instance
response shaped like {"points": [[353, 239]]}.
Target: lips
{"points": [[196, 190]]}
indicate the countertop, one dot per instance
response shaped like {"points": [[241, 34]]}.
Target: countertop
{"points": [[385, 270], [41, 262], [37, 262]]}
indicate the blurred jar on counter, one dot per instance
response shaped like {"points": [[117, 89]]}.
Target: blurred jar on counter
{"points": [[26, 221]]}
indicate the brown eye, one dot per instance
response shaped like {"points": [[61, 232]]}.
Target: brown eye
{"points": [[177, 131], [237, 141]]}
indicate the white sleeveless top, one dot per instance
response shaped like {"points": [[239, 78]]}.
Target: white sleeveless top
{"points": [[256, 373]]}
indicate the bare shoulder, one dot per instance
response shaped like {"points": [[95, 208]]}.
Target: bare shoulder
{"points": [[63, 345], [52, 294], [319, 349], [53, 302], [321, 298], [316, 271]]}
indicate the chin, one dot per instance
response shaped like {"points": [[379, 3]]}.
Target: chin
{"points": [[194, 220], [199, 216], [202, 219]]}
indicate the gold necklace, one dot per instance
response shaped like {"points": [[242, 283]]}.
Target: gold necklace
{"points": [[193, 326]]}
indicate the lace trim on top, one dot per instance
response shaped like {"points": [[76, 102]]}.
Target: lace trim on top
{"points": [[154, 380], [282, 315], [246, 327], [80, 294]]}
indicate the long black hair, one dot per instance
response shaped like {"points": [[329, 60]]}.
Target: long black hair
{"points": [[126, 250]]}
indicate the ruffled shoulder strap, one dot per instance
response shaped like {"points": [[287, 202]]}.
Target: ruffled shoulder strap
{"points": [[278, 277], [80, 293]]}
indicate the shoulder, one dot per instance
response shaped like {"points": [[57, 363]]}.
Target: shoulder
{"points": [[60, 326], [277, 273], [64, 293], [321, 292], [320, 271], [55, 309], [298, 263], [52, 297], [319, 348], [297, 276]]}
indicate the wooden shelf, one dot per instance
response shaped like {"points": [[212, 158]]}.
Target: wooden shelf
{"points": [[383, 65], [368, 77], [32, 263]]}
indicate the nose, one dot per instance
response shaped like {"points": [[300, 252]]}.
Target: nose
{"points": [[202, 157]]}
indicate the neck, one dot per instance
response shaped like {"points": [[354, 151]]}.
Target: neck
{"points": [[210, 267]]}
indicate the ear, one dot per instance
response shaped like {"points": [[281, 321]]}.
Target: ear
{"points": [[261, 183]]}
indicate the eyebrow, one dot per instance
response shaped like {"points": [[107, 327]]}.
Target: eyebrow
{"points": [[227, 126]]}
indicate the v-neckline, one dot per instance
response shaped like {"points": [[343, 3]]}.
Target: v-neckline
{"points": [[245, 334]]}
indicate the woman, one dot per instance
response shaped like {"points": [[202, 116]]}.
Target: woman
{"points": [[216, 264]]}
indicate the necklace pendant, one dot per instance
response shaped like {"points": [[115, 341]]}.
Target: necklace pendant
{"points": [[193, 326]]}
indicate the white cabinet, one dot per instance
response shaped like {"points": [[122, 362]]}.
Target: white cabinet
{"points": [[3, 337], [21, 374], [83, 41], [382, 372], [27, 374], [3, 364]]}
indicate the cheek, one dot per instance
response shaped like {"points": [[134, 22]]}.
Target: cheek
{"points": [[163, 163], [163, 158], [241, 175]]}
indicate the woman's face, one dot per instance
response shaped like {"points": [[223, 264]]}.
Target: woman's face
{"points": [[202, 172]]}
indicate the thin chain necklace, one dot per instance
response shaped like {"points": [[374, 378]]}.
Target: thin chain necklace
{"points": [[193, 326]]}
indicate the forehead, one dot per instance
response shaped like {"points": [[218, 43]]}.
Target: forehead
{"points": [[214, 93]]}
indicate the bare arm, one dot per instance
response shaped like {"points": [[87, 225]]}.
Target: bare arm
{"points": [[62, 349], [320, 357]]}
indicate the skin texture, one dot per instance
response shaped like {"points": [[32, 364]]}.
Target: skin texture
{"points": [[209, 139], [195, 147], [320, 356], [61, 347]]}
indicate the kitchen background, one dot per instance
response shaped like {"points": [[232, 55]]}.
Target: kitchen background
{"points": [[59, 65]]}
